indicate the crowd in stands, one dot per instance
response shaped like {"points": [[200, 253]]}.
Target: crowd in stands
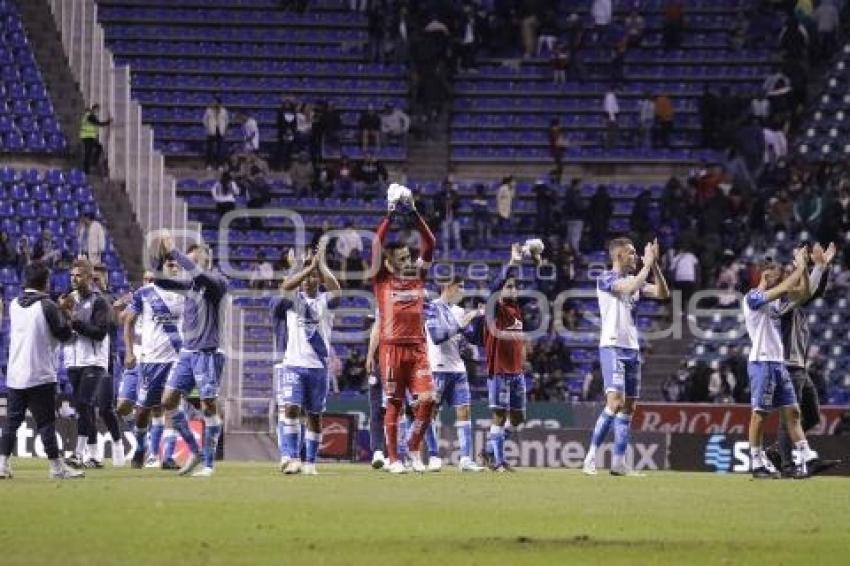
{"points": [[57, 252]]}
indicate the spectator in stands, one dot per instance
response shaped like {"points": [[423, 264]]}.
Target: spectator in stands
{"points": [[91, 238], [395, 123], [575, 35], [599, 214], [481, 220], [250, 134], [808, 210], [303, 125], [760, 108], [323, 180], [548, 32], [371, 175], [224, 193], [635, 28], [739, 30], [92, 149], [287, 128], [780, 212], [673, 24], [353, 371], [529, 22], [545, 197], [334, 370], [775, 145], [593, 388], [216, 120], [302, 174], [348, 242], [504, 204], [640, 221], [319, 234], [697, 387], [344, 178], [23, 254], [685, 271], [447, 207], [370, 129], [794, 39], [262, 274], [557, 143], [618, 60], [375, 28], [646, 120], [728, 280], [611, 109], [664, 115], [253, 178], [565, 266], [602, 13], [469, 37], [401, 35], [560, 64], [777, 87], [8, 256], [826, 19], [572, 211], [47, 250], [353, 270], [358, 5]]}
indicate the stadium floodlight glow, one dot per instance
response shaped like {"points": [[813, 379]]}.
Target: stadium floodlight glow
{"points": [[818, 115], [847, 148], [810, 132], [825, 148], [833, 82], [840, 65], [804, 149], [839, 115], [833, 132]]}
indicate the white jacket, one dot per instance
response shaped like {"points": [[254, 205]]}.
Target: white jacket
{"points": [[92, 315], [36, 327], [216, 121]]}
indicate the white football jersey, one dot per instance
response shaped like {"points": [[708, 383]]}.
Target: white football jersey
{"points": [[308, 330], [617, 324], [445, 357], [161, 314], [763, 327]]}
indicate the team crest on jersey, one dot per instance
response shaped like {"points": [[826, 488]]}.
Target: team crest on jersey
{"points": [[405, 296], [516, 325]]}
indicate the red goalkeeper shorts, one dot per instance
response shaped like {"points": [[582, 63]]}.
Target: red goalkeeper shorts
{"points": [[405, 367]]}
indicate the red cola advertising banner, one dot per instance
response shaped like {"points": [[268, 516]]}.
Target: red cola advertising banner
{"points": [[700, 418]]}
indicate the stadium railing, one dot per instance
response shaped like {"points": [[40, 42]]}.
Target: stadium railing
{"points": [[128, 144]]}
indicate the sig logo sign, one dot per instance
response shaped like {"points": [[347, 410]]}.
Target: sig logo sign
{"points": [[719, 453]]}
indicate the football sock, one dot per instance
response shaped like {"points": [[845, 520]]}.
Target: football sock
{"points": [[756, 457], [497, 444], [391, 427], [403, 436], [421, 424], [622, 424], [464, 438], [157, 427], [291, 438], [312, 441], [170, 438], [431, 440], [181, 425], [281, 440], [82, 442], [212, 432], [141, 439], [600, 431]]}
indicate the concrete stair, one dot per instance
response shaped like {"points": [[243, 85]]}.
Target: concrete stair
{"points": [[68, 104], [428, 151]]}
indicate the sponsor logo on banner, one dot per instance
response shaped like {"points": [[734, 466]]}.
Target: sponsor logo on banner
{"points": [[698, 418], [724, 453], [563, 448], [338, 436]]}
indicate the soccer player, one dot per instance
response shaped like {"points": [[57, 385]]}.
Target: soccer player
{"points": [[199, 363], [618, 292], [377, 401], [160, 312], [87, 357], [400, 292], [504, 345], [445, 321], [36, 327], [301, 385], [105, 397], [128, 386], [795, 344], [770, 383]]}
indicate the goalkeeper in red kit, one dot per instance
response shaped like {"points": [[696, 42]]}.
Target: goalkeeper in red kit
{"points": [[403, 354]]}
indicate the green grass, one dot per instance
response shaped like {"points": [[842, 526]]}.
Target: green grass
{"points": [[250, 514]]}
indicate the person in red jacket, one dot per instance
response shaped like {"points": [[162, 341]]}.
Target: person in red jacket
{"points": [[403, 354]]}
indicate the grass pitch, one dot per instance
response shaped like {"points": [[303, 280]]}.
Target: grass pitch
{"points": [[250, 514]]}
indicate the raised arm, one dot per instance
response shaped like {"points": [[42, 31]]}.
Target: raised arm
{"points": [[426, 254], [330, 281], [379, 241], [658, 289], [800, 258], [292, 282], [629, 286]]}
